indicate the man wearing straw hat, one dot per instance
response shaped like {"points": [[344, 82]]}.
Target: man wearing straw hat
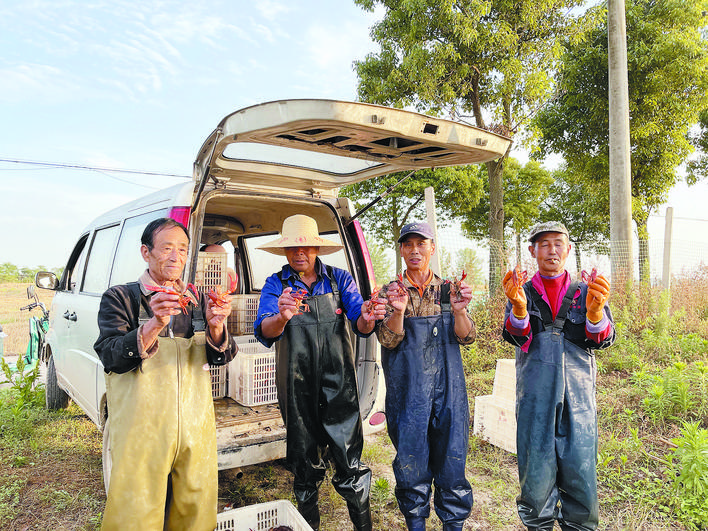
{"points": [[555, 325], [316, 378]]}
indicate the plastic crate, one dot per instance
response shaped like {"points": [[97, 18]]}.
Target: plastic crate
{"points": [[218, 381], [244, 309], [505, 380], [262, 517], [252, 374], [495, 421], [211, 272]]}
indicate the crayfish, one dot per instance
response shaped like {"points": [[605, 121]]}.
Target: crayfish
{"points": [[589, 277], [457, 285], [218, 297], [187, 297], [519, 276], [396, 286], [300, 296]]}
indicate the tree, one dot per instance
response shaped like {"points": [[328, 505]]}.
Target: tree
{"points": [[489, 58], [526, 188], [580, 205], [384, 221], [382, 264], [668, 76]]}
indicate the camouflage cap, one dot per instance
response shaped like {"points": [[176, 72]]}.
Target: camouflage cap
{"points": [[547, 226]]}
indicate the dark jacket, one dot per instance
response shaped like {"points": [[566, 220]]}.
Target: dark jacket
{"points": [[118, 322], [574, 329]]}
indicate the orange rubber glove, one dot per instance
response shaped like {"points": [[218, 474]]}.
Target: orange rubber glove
{"points": [[598, 293], [516, 295]]}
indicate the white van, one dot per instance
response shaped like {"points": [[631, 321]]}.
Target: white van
{"points": [[259, 166]]}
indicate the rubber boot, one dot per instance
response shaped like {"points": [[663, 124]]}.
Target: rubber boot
{"points": [[311, 514], [415, 524], [452, 527], [360, 517]]}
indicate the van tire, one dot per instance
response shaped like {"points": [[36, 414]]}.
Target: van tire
{"points": [[55, 397], [107, 461]]}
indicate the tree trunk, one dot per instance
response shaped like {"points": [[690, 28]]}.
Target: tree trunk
{"points": [[496, 223]]}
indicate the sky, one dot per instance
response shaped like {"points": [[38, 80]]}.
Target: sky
{"points": [[140, 85]]}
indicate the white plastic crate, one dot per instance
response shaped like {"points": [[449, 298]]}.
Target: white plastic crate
{"points": [[252, 373], [218, 381], [211, 272], [495, 421], [262, 517], [244, 309], [505, 380]]}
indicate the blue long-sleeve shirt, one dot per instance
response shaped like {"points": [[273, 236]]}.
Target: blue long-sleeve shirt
{"points": [[273, 288]]}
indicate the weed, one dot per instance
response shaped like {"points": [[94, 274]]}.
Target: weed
{"points": [[690, 486], [9, 497], [380, 491], [24, 383]]}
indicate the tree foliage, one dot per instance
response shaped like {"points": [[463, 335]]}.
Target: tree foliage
{"points": [[9, 272], [667, 57], [406, 203], [489, 58]]}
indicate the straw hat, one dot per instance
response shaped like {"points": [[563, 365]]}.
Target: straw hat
{"points": [[300, 231]]}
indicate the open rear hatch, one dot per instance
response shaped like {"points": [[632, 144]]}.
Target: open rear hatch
{"points": [[317, 146]]}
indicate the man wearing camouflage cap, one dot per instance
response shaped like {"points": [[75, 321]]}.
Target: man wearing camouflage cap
{"points": [[555, 325]]}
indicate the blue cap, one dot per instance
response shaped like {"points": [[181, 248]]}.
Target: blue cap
{"points": [[420, 228]]}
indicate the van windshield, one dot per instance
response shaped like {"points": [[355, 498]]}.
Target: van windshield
{"points": [[263, 264]]}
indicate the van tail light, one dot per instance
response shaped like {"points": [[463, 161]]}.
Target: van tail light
{"points": [[181, 214], [365, 253]]}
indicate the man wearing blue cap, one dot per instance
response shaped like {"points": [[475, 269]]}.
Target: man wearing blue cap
{"points": [[556, 325], [427, 409]]}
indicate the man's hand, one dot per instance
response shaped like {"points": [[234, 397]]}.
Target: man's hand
{"points": [[397, 297], [459, 301], [598, 293], [515, 294], [287, 304], [164, 306], [216, 314], [374, 309]]}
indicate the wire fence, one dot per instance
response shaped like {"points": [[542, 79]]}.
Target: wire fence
{"points": [[482, 260]]}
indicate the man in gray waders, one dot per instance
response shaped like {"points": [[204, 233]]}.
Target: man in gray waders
{"points": [[555, 325], [161, 426], [427, 410], [315, 373]]}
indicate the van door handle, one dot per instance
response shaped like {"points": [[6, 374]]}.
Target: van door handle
{"points": [[69, 316]]}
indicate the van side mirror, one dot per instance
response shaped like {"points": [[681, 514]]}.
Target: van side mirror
{"points": [[45, 280]]}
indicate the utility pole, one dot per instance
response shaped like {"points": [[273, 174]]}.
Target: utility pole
{"points": [[620, 161]]}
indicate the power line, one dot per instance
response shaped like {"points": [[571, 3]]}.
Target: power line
{"points": [[92, 168]]}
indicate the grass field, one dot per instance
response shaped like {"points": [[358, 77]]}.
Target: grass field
{"points": [[650, 384]]}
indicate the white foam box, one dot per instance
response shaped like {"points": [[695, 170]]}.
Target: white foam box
{"points": [[244, 310], [495, 421], [505, 379], [252, 373], [262, 517]]}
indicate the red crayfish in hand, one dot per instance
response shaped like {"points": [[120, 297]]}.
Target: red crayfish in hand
{"points": [[456, 285], [187, 297], [519, 276], [218, 297], [300, 296], [396, 287], [589, 277]]}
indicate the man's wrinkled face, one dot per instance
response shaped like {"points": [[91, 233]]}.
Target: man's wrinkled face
{"points": [[551, 250], [417, 251], [302, 259], [169, 254]]}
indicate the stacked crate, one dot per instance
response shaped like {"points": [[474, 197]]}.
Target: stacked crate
{"points": [[494, 415], [211, 274]]}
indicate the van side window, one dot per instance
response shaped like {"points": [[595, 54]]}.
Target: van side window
{"points": [[99, 260], [73, 268], [129, 264]]}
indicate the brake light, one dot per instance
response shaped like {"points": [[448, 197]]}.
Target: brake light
{"points": [[365, 253], [181, 214]]}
